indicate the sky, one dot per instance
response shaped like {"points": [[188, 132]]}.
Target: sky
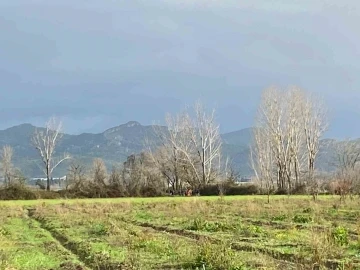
{"points": [[98, 64]]}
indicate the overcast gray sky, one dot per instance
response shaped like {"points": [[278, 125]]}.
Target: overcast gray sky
{"points": [[98, 64]]}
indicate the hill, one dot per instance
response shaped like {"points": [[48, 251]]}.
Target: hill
{"points": [[114, 145]]}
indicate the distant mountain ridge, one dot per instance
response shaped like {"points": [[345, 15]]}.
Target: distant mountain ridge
{"points": [[114, 145]]}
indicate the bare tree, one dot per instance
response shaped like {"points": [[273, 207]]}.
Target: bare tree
{"points": [[76, 176], [99, 177], [142, 177], [7, 165], [289, 125], [172, 149], [295, 135], [347, 154], [99, 172], [190, 148], [115, 177], [314, 124], [271, 134], [227, 175], [262, 162], [45, 142], [207, 142], [348, 167]]}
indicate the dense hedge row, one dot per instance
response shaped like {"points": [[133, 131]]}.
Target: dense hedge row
{"points": [[243, 189], [18, 192]]}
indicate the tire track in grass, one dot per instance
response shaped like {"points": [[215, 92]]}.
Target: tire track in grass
{"points": [[277, 256], [82, 266], [281, 258], [82, 253], [288, 259], [284, 259]]}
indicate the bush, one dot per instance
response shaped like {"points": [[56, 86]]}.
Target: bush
{"points": [[150, 191], [231, 189], [20, 192], [244, 189], [281, 191], [299, 190], [47, 195], [209, 190], [17, 192]]}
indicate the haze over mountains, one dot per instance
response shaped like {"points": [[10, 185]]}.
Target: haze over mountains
{"points": [[114, 145]]}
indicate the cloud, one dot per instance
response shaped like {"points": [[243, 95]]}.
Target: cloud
{"points": [[86, 58]]}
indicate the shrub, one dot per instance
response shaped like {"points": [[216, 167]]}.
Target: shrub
{"points": [[243, 189], [42, 194], [209, 190], [150, 191], [299, 190], [230, 189], [281, 191], [17, 192]]}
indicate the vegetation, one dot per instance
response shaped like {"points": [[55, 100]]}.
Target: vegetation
{"points": [[180, 233], [213, 231]]}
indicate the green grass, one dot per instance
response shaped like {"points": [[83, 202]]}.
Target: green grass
{"points": [[27, 246], [146, 200], [238, 232]]}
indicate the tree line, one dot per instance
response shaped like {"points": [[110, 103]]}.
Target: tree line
{"points": [[187, 154]]}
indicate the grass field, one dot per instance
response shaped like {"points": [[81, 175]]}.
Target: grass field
{"points": [[181, 233]]}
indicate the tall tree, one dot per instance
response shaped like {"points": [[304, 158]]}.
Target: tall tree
{"points": [[190, 148], [207, 142], [7, 165], [348, 167], [169, 152], [45, 142], [314, 125], [289, 126]]}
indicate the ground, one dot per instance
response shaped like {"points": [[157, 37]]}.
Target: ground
{"points": [[181, 233]]}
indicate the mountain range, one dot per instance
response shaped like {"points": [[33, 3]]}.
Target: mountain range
{"points": [[114, 145]]}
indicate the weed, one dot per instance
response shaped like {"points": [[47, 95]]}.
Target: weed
{"points": [[340, 235], [4, 232], [4, 264], [307, 210], [149, 233], [200, 224], [281, 217], [252, 231], [98, 229], [302, 218], [216, 257]]}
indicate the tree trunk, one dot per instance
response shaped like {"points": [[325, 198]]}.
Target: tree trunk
{"points": [[47, 178]]}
